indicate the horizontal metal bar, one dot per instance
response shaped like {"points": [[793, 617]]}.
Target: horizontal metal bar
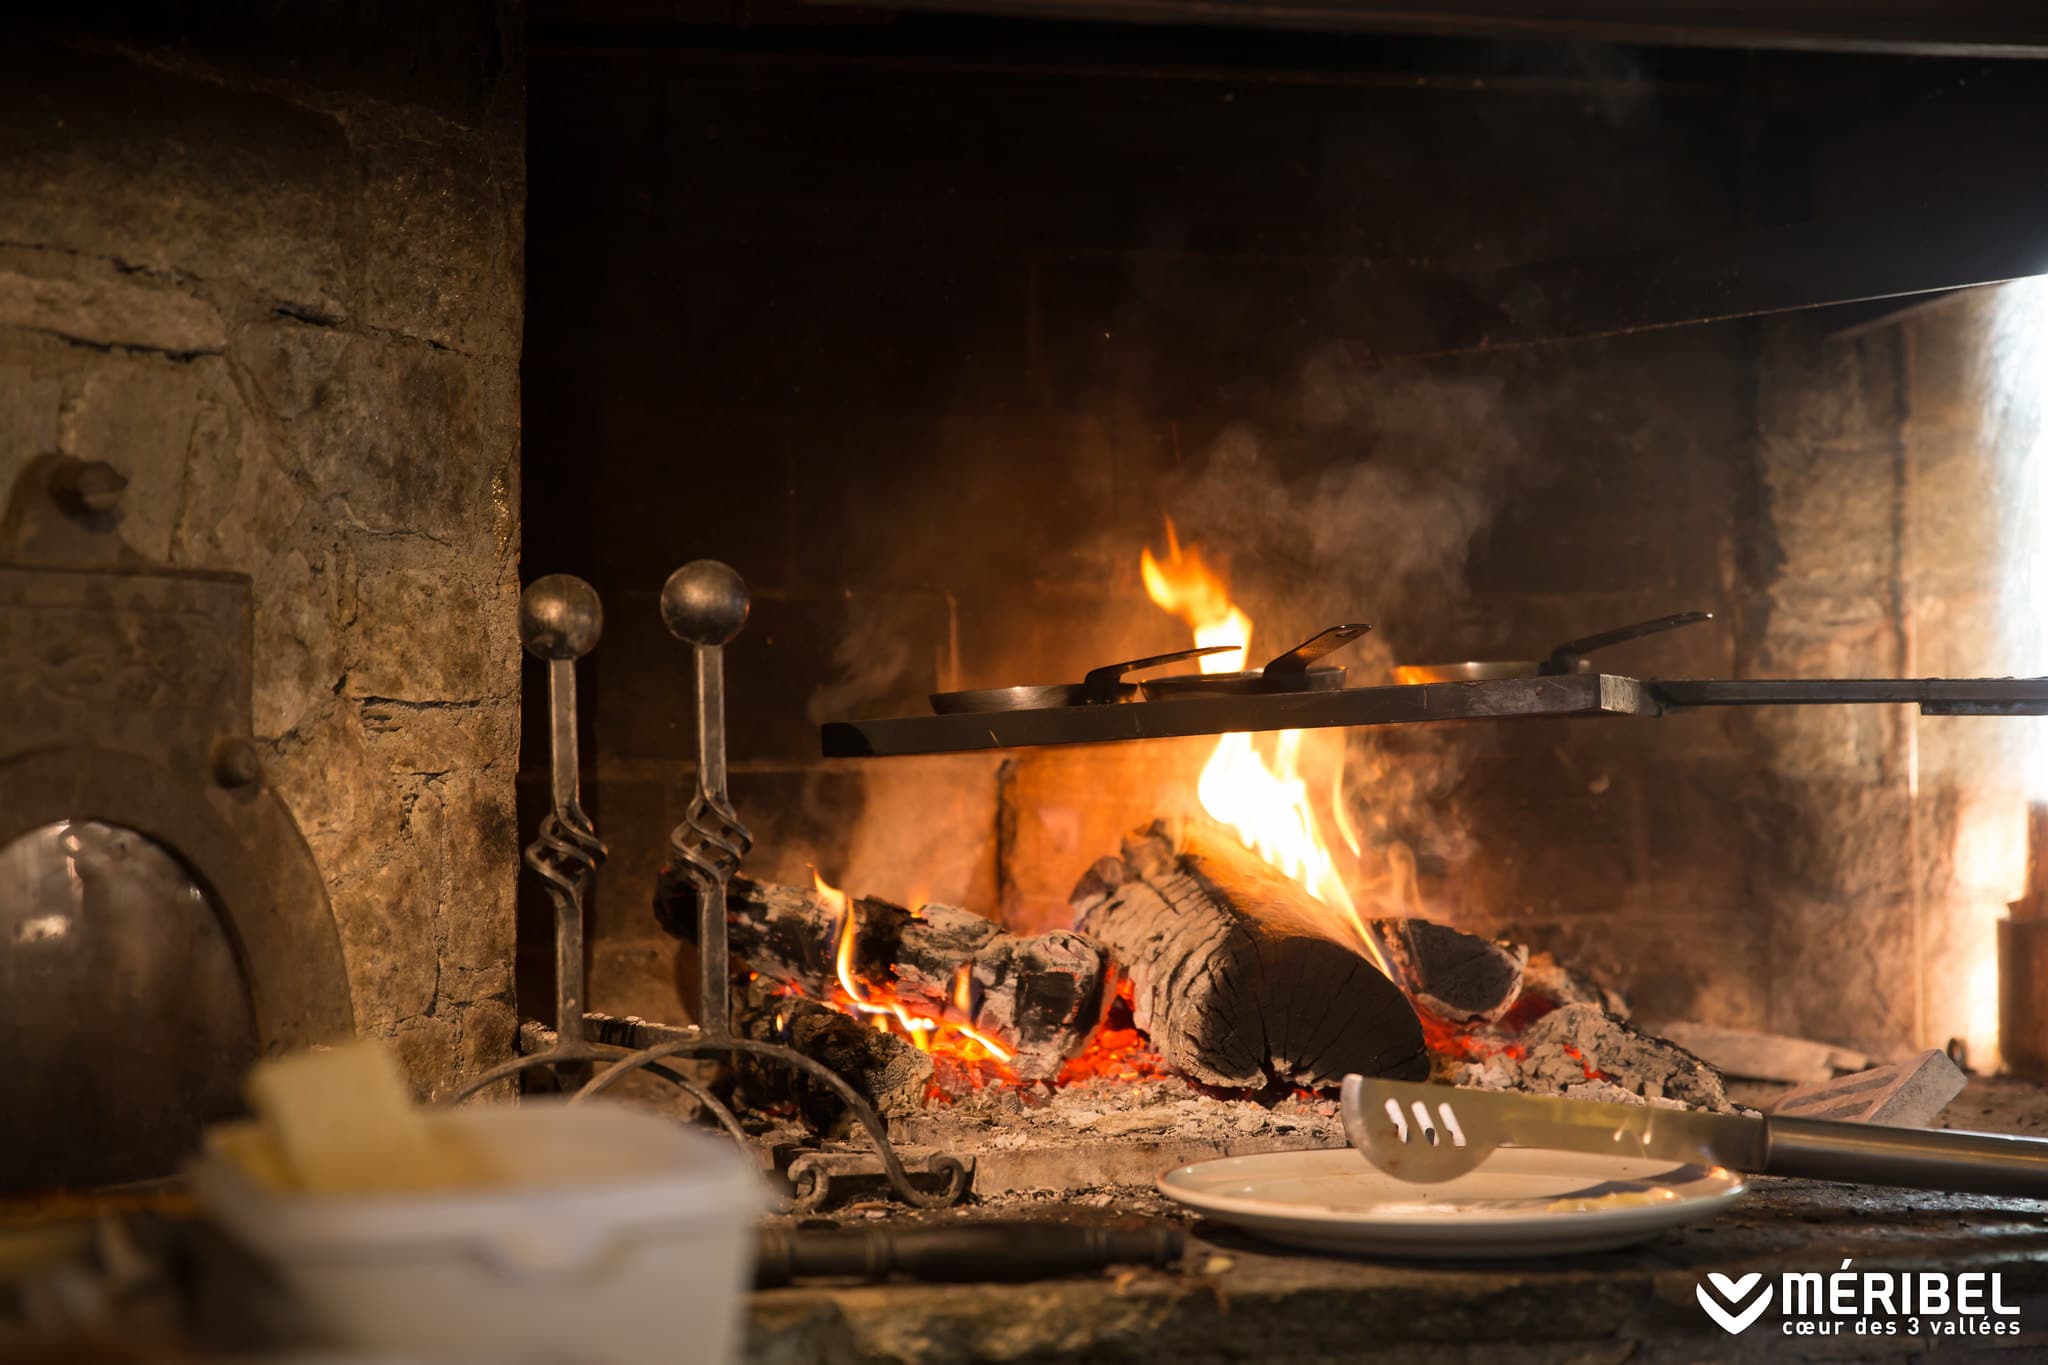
{"points": [[1583, 694], [1579, 694], [1935, 696], [609, 1030]]}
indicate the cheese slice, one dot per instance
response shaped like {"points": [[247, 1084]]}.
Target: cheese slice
{"points": [[341, 1120]]}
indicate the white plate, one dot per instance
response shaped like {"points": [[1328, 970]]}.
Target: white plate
{"points": [[1518, 1203]]}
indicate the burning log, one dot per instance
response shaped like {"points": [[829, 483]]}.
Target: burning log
{"points": [[1461, 978], [888, 1072], [1042, 995], [1230, 979]]}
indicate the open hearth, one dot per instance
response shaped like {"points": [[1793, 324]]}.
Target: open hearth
{"points": [[1406, 634]]}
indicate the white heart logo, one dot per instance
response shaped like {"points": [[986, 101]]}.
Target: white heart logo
{"points": [[1735, 1291]]}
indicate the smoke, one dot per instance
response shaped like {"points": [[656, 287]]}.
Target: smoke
{"points": [[1357, 496], [1369, 501], [1365, 507]]}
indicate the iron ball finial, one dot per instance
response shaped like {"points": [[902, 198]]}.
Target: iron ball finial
{"points": [[560, 617], [704, 603]]}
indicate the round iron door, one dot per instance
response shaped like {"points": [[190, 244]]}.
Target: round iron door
{"points": [[117, 965]]}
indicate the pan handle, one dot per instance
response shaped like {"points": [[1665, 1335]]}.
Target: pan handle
{"points": [[1565, 658], [1295, 662], [1101, 684]]}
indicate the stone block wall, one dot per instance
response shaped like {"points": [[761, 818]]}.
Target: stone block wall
{"points": [[267, 261], [1890, 841]]}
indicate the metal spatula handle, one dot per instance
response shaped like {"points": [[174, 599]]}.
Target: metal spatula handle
{"points": [[1923, 1158]]}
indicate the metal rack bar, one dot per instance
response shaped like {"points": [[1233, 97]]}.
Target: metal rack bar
{"points": [[1576, 694], [1934, 696]]}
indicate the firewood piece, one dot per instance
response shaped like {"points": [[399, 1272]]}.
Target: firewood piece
{"points": [[889, 1073], [1459, 977], [1908, 1094], [1044, 993], [1762, 1056], [1041, 995], [1231, 979]]}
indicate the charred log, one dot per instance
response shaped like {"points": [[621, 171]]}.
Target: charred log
{"points": [[887, 1072], [1459, 977], [1231, 980], [1042, 994]]}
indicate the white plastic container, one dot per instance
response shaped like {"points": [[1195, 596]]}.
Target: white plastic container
{"points": [[620, 1237]]}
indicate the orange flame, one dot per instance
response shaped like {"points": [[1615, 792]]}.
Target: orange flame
{"points": [[1184, 584], [1267, 804], [889, 1012]]}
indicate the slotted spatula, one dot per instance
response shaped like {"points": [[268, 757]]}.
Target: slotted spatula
{"points": [[1427, 1134]]}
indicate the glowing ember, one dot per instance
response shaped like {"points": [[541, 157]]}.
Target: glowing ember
{"points": [[889, 1014], [965, 1058], [1467, 1043], [1266, 803]]}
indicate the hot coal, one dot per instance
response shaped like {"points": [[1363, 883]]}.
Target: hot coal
{"points": [[1041, 994], [1545, 976], [1583, 1052], [890, 1074]]}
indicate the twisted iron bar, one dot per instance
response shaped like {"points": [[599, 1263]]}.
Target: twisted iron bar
{"points": [[711, 842], [566, 854]]}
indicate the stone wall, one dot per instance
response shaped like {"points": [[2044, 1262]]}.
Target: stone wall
{"points": [[1889, 841], [1834, 825], [267, 261]]}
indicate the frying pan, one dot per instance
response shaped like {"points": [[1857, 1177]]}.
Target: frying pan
{"points": [[1101, 686], [1291, 672], [1569, 657]]}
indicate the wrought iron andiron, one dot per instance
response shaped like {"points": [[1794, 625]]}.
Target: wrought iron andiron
{"points": [[560, 619], [704, 604]]}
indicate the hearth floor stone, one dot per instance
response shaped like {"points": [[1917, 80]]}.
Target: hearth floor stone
{"points": [[1236, 1299]]}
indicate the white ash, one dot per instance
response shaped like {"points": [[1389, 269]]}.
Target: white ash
{"points": [[1563, 1047]]}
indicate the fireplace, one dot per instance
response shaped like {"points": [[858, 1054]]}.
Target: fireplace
{"points": [[1087, 575], [931, 352], [990, 353]]}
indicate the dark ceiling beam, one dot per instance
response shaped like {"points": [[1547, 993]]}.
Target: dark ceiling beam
{"points": [[1968, 28]]}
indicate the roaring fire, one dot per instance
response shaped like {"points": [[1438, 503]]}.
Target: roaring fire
{"points": [[1267, 803], [939, 1034]]}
